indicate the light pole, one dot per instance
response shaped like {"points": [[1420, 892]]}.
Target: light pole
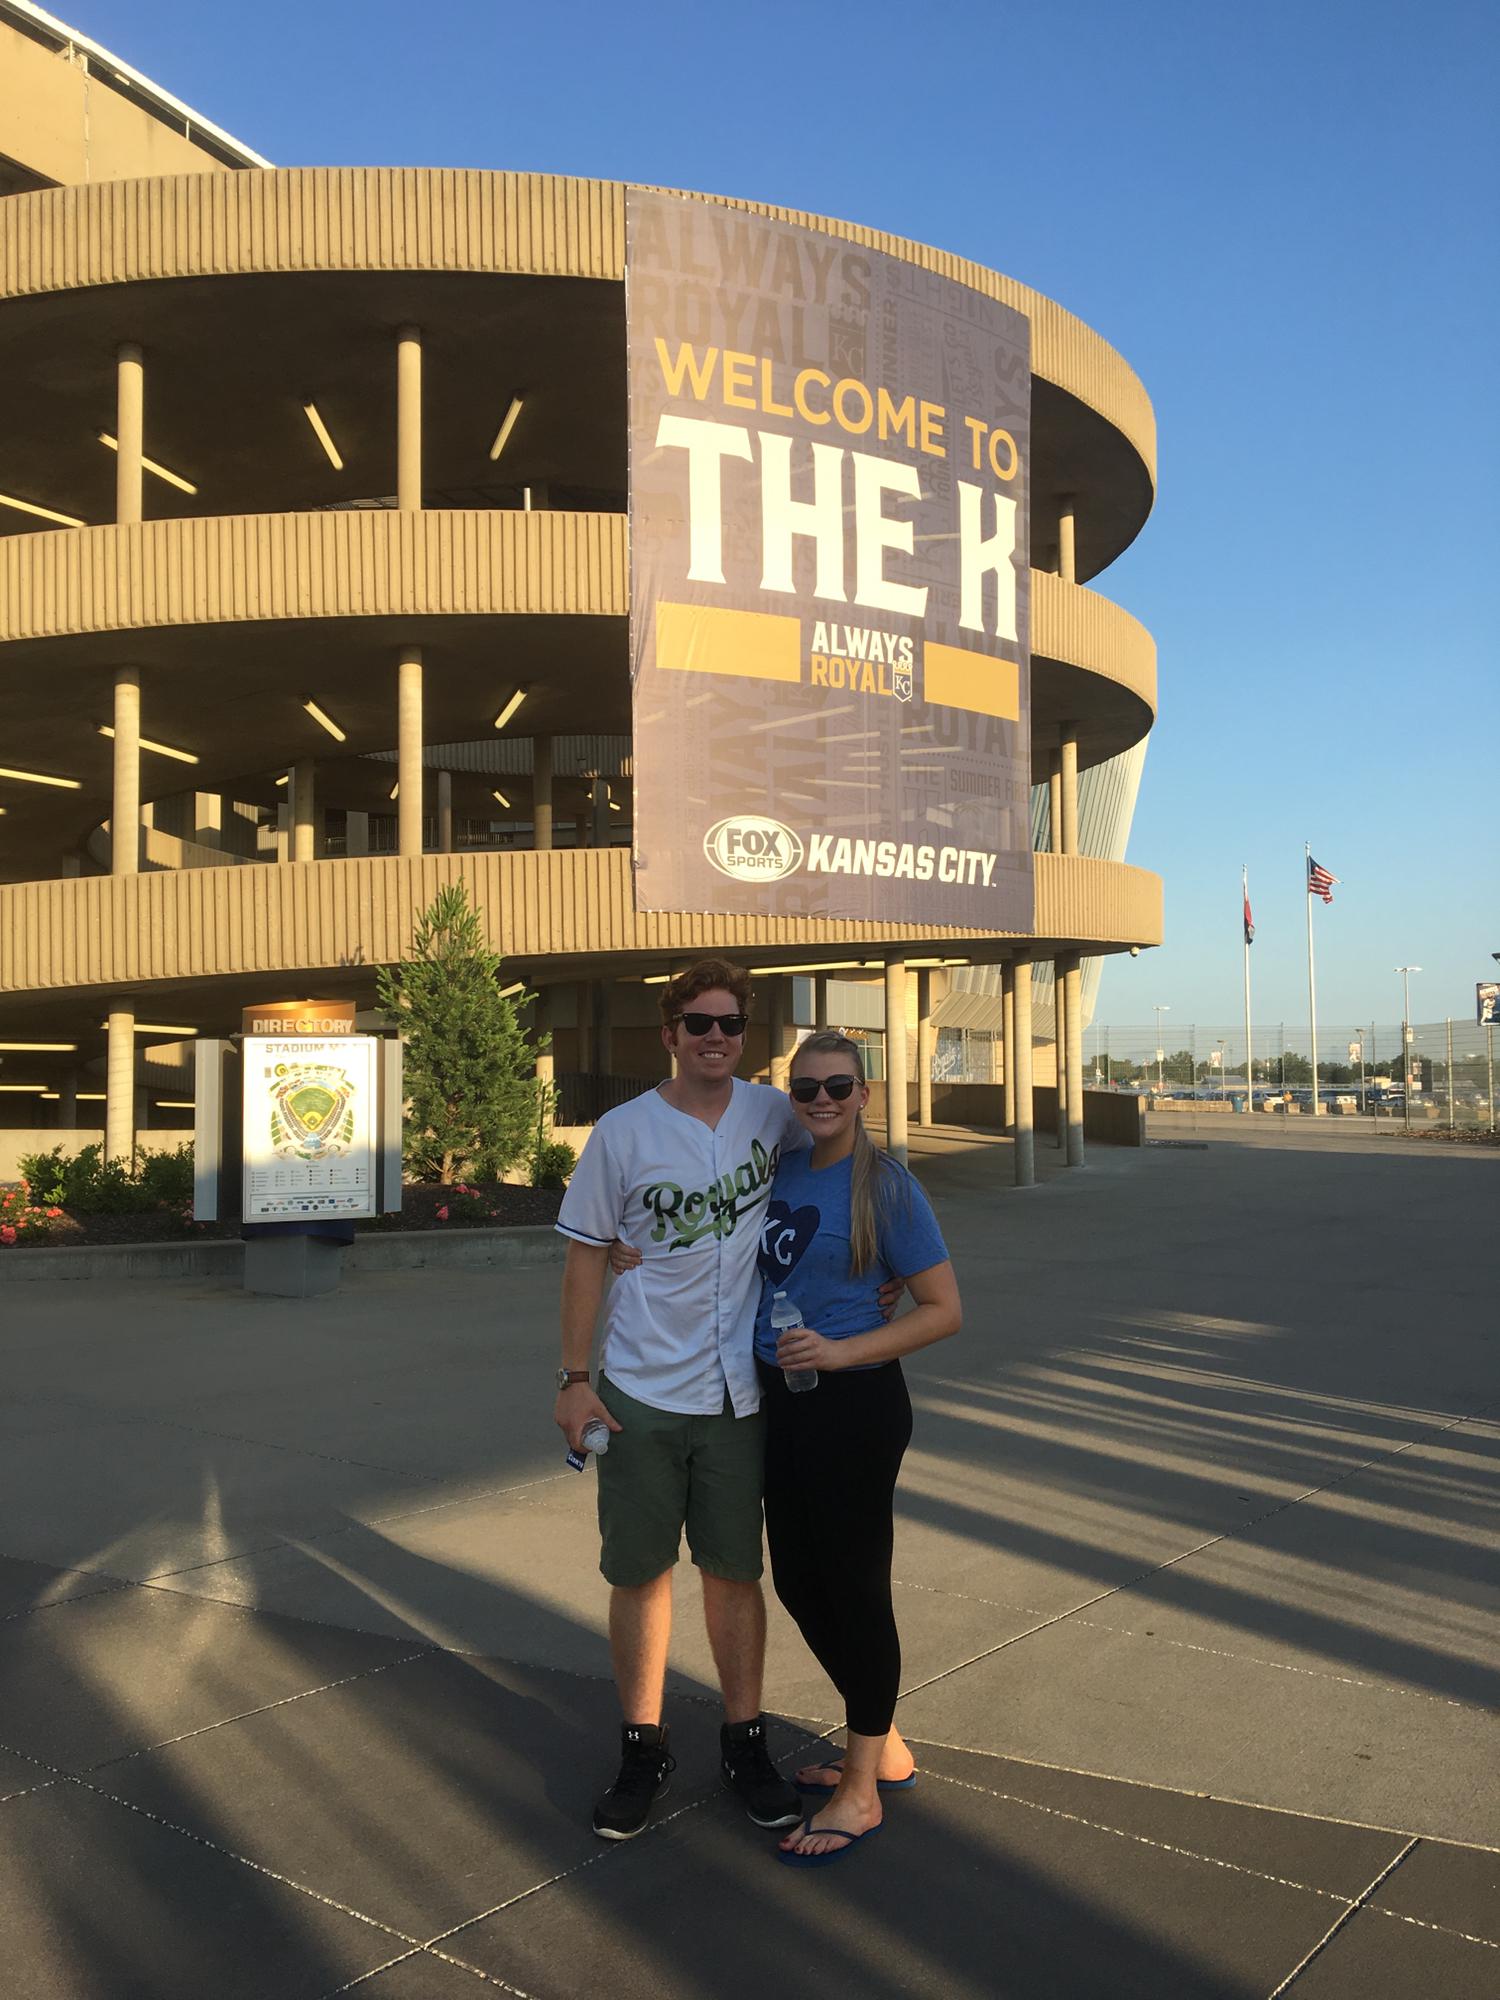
{"points": [[1406, 971], [1160, 1050], [1223, 1071]]}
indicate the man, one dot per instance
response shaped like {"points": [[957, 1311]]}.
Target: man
{"points": [[683, 1174]]}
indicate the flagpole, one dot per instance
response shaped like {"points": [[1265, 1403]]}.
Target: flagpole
{"points": [[1312, 980], [1249, 1052]]}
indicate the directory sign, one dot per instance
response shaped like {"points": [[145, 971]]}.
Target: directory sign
{"points": [[311, 1128]]}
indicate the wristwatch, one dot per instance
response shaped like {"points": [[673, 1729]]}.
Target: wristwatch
{"points": [[567, 1376]]}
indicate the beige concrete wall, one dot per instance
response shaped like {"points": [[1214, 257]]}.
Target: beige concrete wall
{"points": [[426, 219], [17, 1140], [219, 922], [71, 127]]}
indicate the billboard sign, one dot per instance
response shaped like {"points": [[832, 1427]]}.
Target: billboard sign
{"points": [[1487, 1002], [311, 1128], [829, 464]]}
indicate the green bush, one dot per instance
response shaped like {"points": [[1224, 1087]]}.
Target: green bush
{"points": [[552, 1163], [88, 1184], [167, 1177], [45, 1175]]}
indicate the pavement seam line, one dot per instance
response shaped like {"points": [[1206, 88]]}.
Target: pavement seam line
{"points": [[1182, 1792], [1159, 1569], [352, 1985], [1281, 1666], [604, 1853], [1426, 1924], [421, 1951], [111, 1589], [1140, 1839], [1327, 1939], [1186, 1645], [265, 1708], [244, 1860]]}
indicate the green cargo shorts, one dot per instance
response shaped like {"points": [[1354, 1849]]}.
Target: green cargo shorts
{"points": [[665, 1471]]}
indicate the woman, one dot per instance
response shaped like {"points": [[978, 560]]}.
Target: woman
{"points": [[843, 1219]]}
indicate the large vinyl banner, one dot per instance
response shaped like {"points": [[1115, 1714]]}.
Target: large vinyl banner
{"points": [[829, 570]]}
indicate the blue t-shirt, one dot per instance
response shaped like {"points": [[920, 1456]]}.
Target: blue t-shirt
{"points": [[804, 1247]]}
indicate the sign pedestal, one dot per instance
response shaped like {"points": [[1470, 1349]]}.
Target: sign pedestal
{"points": [[292, 1267]]}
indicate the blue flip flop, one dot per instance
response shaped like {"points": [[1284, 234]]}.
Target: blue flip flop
{"points": [[837, 1764], [829, 1854]]}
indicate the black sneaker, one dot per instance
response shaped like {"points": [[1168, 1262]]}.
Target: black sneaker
{"points": [[749, 1773], [645, 1766]]}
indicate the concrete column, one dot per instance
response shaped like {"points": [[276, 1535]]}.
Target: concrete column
{"points": [[208, 819], [1075, 1060], [304, 810], [409, 753], [1008, 1042], [283, 833], [926, 1041], [130, 427], [895, 1059], [356, 833], [1025, 1139], [541, 791], [445, 812], [599, 812], [584, 1014], [546, 1060], [1060, 1045], [67, 1102], [776, 1022], [820, 1000], [1068, 772], [125, 808], [409, 420], [119, 1087], [1067, 563], [1054, 804], [604, 1052]]}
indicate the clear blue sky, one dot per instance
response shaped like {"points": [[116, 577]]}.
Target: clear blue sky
{"points": [[1285, 217]]}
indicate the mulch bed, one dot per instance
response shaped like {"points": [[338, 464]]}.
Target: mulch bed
{"points": [[1461, 1135], [515, 1208]]}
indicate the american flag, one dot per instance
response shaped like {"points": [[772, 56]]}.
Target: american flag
{"points": [[1319, 881]]}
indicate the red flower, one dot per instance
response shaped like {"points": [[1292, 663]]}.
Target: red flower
{"points": [[7, 1234], [442, 1214]]}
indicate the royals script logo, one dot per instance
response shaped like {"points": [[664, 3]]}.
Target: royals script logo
{"points": [[715, 1210]]}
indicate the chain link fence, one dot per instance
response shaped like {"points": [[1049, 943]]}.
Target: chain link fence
{"points": [[1447, 1075]]}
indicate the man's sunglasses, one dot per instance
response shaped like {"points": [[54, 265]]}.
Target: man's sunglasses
{"points": [[805, 1089], [700, 1024]]}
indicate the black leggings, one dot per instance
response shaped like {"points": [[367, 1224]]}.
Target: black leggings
{"points": [[832, 1459]]}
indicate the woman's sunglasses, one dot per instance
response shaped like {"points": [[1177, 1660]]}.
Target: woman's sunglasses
{"points": [[700, 1024], [805, 1089]]}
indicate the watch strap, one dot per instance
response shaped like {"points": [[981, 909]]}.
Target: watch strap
{"points": [[566, 1377]]}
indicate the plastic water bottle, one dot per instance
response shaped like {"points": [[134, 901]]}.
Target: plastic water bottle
{"points": [[595, 1439], [784, 1314]]}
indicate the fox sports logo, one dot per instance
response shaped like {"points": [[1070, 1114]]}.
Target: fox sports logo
{"points": [[751, 848]]}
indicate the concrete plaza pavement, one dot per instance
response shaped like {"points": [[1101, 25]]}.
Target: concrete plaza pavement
{"points": [[304, 1690]]}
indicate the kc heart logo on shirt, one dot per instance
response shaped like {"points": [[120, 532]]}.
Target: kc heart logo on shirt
{"points": [[784, 1236]]}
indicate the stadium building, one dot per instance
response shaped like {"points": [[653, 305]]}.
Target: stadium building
{"points": [[314, 595]]}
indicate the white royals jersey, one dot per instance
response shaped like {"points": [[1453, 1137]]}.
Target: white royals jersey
{"points": [[679, 1330]]}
